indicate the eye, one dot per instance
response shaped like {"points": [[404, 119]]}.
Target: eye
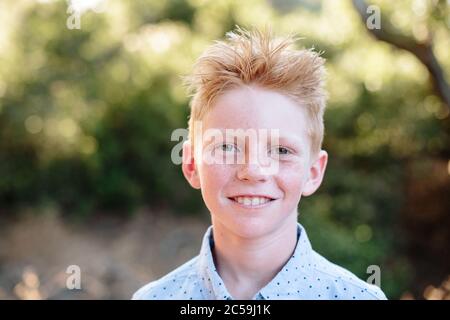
{"points": [[282, 150], [226, 147]]}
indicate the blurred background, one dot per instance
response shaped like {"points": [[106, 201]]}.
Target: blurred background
{"points": [[88, 103]]}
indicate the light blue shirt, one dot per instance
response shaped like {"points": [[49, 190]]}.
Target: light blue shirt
{"points": [[306, 275]]}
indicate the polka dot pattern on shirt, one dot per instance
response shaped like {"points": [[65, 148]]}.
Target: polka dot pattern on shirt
{"points": [[306, 275]]}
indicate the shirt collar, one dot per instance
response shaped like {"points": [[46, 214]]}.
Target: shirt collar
{"points": [[293, 271], [213, 283]]}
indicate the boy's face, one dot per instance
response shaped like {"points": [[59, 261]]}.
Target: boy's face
{"points": [[243, 197]]}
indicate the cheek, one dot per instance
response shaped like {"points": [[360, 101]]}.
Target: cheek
{"points": [[213, 178], [291, 179]]}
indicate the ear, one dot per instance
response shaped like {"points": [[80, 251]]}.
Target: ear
{"points": [[316, 173], [189, 166]]}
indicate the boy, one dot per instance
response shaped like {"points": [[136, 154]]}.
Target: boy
{"points": [[255, 248]]}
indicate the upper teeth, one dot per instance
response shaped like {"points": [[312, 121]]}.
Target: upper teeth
{"points": [[251, 201]]}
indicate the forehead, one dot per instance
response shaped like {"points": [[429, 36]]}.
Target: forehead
{"points": [[250, 107]]}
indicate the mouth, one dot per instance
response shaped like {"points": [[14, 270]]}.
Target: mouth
{"points": [[248, 201]]}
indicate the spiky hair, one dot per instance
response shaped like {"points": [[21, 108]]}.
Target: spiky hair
{"points": [[258, 58]]}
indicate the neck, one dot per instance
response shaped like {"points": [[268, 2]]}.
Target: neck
{"points": [[248, 264]]}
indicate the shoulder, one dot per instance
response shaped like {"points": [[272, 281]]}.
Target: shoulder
{"points": [[170, 285], [341, 283]]}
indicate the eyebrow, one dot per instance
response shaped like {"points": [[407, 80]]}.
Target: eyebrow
{"points": [[213, 138], [292, 140]]}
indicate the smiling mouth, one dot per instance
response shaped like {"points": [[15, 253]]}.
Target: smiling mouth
{"points": [[251, 201]]}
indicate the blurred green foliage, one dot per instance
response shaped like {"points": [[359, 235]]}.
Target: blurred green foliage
{"points": [[86, 115]]}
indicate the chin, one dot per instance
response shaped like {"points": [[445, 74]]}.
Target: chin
{"points": [[251, 228]]}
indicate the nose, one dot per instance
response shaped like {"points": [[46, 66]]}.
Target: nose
{"points": [[256, 166], [251, 172], [252, 168]]}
